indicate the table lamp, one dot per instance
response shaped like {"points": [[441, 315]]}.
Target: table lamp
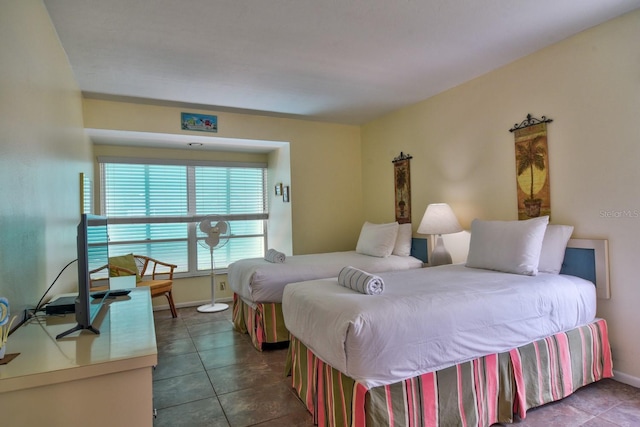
{"points": [[439, 219]]}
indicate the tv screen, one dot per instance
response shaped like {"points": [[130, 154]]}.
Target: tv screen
{"points": [[93, 253]]}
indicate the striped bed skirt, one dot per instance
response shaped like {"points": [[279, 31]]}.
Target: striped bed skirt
{"points": [[482, 392], [264, 323]]}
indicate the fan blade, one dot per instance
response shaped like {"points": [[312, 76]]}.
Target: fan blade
{"points": [[205, 226], [222, 227]]}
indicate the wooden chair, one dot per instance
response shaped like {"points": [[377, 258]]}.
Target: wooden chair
{"points": [[155, 274]]}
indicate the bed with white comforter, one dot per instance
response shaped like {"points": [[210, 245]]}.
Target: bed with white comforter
{"points": [[460, 344], [258, 280], [431, 318]]}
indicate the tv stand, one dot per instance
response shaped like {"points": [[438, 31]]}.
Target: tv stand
{"points": [[78, 327], [62, 382]]}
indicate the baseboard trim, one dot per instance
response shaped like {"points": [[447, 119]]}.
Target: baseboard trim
{"points": [[626, 379]]}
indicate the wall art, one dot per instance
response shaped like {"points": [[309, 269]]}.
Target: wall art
{"points": [[402, 181], [199, 122], [532, 167], [285, 194]]}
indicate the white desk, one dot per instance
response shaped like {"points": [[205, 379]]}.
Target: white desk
{"points": [[83, 379]]}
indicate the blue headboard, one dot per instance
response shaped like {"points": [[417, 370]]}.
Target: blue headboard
{"points": [[589, 259], [585, 258], [420, 248]]}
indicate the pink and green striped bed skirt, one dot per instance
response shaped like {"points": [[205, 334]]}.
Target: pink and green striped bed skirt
{"points": [[481, 392], [264, 324]]}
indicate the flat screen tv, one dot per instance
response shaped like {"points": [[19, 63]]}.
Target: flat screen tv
{"points": [[93, 253]]}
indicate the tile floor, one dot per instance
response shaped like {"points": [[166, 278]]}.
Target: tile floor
{"points": [[209, 375]]}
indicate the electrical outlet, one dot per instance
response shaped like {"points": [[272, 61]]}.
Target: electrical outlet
{"points": [[223, 286]]}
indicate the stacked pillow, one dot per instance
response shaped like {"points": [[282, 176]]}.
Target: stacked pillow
{"points": [[521, 247], [554, 245], [383, 240], [403, 241]]}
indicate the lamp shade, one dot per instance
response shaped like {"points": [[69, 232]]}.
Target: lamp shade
{"points": [[439, 219]]}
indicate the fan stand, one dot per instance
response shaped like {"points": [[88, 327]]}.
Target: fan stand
{"points": [[213, 307]]}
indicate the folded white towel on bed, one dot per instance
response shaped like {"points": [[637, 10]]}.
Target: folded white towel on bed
{"points": [[274, 256], [361, 281]]}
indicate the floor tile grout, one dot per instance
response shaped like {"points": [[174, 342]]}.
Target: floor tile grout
{"points": [[242, 374]]}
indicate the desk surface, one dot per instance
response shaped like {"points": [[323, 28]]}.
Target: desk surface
{"points": [[126, 341]]}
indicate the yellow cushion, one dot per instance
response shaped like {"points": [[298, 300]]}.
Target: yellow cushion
{"points": [[124, 261], [157, 287]]}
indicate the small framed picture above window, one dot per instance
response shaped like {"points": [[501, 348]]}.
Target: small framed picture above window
{"points": [[279, 189], [285, 194]]}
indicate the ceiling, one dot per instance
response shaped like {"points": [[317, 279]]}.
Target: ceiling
{"points": [[342, 61]]}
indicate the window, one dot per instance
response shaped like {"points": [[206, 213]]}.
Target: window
{"points": [[154, 208]]}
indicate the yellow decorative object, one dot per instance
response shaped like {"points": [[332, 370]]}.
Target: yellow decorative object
{"points": [[5, 325], [4, 335]]}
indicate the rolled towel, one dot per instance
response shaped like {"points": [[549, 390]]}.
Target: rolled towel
{"points": [[361, 281], [274, 256]]}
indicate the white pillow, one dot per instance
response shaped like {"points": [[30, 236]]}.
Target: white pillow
{"points": [[554, 245], [403, 241], [508, 246], [377, 239]]}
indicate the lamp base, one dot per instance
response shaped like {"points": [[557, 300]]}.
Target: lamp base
{"points": [[440, 255], [213, 308]]}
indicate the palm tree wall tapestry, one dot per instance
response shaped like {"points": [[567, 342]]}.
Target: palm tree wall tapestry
{"points": [[532, 167], [402, 180]]}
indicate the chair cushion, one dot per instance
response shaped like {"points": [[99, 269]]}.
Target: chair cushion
{"points": [[157, 287], [124, 261]]}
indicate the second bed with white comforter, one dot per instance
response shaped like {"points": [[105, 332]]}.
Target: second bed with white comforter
{"points": [[257, 280]]}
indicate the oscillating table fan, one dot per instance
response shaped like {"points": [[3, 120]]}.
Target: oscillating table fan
{"points": [[216, 232]]}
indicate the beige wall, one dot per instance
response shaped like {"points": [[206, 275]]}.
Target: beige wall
{"points": [[43, 149], [463, 154], [325, 164], [325, 174]]}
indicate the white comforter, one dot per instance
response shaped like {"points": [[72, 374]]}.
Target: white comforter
{"points": [[257, 280], [431, 318]]}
